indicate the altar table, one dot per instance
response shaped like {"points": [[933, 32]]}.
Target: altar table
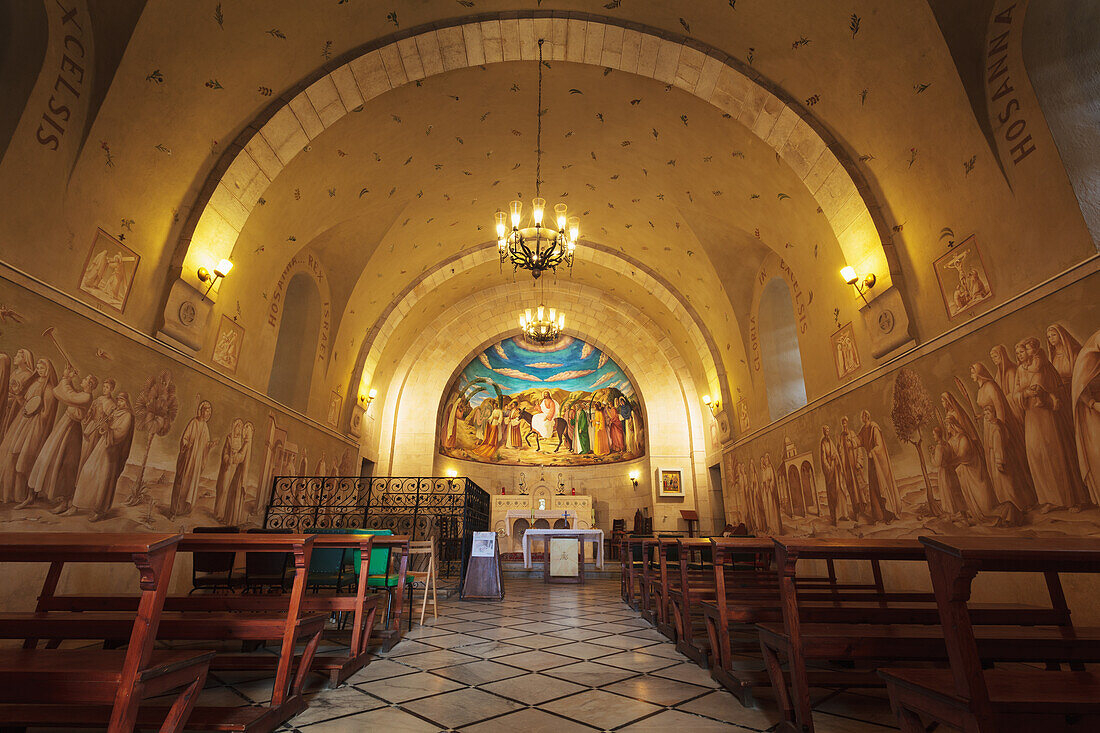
{"points": [[595, 536]]}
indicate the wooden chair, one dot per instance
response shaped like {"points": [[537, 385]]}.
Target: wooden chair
{"points": [[427, 576], [213, 570]]}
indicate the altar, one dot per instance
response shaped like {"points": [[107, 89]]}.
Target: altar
{"points": [[511, 515]]}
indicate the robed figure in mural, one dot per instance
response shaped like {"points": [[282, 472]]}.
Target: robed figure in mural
{"points": [[1085, 395], [232, 455], [628, 425], [98, 412], [769, 487], [27, 432], [1010, 434], [1064, 349], [581, 441], [1048, 431], [195, 444], [601, 446], [830, 469], [980, 498], [19, 379], [98, 479], [232, 511], [514, 438], [53, 476], [943, 459], [851, 469], [542, 422], [881, 486], [455, 412], [1006, 377], [1009, 486]]}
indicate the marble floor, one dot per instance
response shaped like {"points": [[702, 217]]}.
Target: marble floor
{"points": [[550, 658]]}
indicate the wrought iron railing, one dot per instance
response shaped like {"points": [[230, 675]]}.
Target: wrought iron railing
{"points": [[448, 510]]}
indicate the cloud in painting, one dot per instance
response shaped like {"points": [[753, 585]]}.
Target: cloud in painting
{"points": [[517, 374], [544, 365], [603, 360], [605, 378], [587, 350], [484, 360], [572, 374], [500, 351]]}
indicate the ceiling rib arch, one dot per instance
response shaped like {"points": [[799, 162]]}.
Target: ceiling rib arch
{"points": [[267, 145], [419, 379], [374, 343]]}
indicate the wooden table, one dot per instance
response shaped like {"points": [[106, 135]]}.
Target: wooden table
{"points": [[972, 698], [584, 535], [93, 687]]}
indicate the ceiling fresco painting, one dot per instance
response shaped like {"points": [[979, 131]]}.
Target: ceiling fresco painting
{"points": [[560, 404]]}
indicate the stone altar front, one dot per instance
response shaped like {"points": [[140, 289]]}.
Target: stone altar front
{"points": [[512, 515]]}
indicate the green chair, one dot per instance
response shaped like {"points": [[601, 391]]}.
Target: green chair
{"points": [[378, 568], [326, 565]]}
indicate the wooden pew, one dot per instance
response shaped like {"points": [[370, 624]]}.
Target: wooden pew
{"points": [[632, 561], [649, 579], [255, 618], [90, 687], [973, 698], [685, 599], [667, 578], [882, 625]]}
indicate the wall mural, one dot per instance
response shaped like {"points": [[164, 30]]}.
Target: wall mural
{"points": [[563, 404], [99, 431], [998, 431]]}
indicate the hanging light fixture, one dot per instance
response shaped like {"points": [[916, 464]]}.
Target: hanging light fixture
{"points": [[543, 326], [537, 245]]}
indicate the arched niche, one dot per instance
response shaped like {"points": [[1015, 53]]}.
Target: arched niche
{"points": [[780, 356], [296, 345]]}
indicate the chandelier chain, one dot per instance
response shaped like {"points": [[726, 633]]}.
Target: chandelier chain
{"points": [[538, 129]]}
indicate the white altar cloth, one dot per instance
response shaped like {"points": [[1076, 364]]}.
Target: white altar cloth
{"points": [[595, 536]]}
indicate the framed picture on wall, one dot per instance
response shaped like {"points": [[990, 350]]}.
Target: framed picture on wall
{"points": [[845, 355], [964, 282], [109, 271], [671, 481], [227, 345]]}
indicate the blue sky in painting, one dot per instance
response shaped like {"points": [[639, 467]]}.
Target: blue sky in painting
{"points": [[516, 369]]}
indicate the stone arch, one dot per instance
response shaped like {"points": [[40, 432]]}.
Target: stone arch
{"points": [[373, 345], [302, 113], [657, 369]]}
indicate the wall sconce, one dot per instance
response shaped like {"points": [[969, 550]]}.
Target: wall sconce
{"points": [[220, 270], [368, 397], [634, 478], [715, 406], [451, 473], [850, 277]]}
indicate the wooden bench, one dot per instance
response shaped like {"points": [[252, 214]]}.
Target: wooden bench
{"points": [[247, 617], [866, 629], [632, 560], [969, 696], [65, 687], [685, 599]]}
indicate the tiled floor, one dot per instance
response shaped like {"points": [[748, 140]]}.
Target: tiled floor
{"points": [[550, 658]]}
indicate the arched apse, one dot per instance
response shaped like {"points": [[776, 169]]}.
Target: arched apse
{"points": [[296, 345], [770, 113], [780, 355], [1062, 59]]}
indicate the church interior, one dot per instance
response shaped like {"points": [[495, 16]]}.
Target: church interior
{"points": [[629, 365]]}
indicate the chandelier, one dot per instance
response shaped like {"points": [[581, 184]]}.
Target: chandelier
{"points": [[544, 328], [535, 245]]}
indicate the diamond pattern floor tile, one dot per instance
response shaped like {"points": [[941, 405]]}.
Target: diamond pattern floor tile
{"points": [[559, 659]]}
